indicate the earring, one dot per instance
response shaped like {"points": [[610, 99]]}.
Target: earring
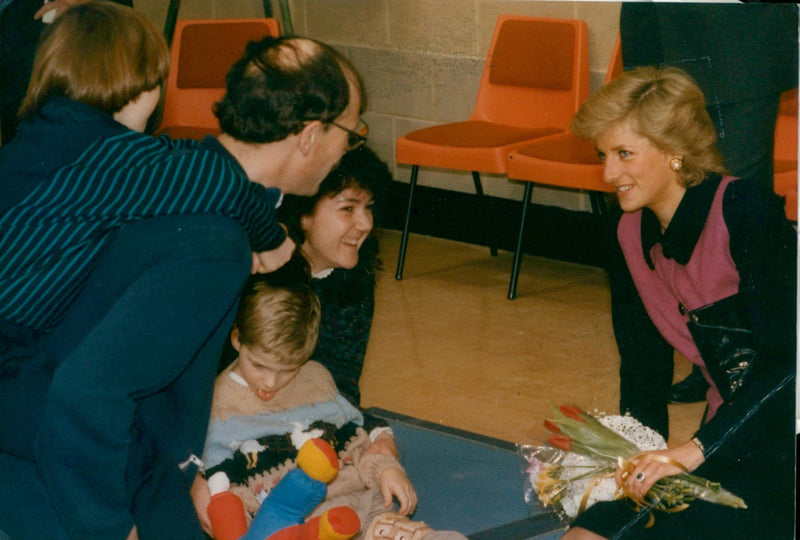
{"points": [[676, 164]]}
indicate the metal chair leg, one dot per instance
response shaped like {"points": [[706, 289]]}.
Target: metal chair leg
{"points": [[476, 179], [404, 239], [172, 18], [512, 286]]}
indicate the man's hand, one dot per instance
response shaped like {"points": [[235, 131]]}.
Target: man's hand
{"points": [[269, 261], [57, 7], [201, 497]]}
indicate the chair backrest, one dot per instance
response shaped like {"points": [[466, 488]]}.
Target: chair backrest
{"points": [[615, 65], [786, 128], [202, 53], [536, 72]]}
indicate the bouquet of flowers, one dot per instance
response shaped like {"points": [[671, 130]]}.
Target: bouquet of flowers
{"points": [[578, 466]]}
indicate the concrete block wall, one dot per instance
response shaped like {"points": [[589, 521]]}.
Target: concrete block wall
{"points": [[421, 61]]}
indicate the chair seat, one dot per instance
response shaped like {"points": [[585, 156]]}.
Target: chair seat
{"points": [[469, 146], [563, 160]]}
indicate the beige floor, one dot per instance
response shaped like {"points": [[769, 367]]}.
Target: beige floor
{"points": [[448, 347]]}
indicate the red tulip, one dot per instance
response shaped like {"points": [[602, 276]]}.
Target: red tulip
{"points": [[560, 441], [551, 426], [572, 412]]}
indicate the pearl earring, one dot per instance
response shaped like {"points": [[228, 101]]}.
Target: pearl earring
{"points": [[676, 164]]}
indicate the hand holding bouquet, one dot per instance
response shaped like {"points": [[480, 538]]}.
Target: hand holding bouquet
{"points": [[578, 467]]}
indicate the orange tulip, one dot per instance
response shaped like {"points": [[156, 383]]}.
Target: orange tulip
{"points": [[560, 441], [572, 412], [551, 426]]}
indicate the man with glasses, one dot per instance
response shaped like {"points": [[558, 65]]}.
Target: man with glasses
{"points": [[356, 137], [310, 117]]}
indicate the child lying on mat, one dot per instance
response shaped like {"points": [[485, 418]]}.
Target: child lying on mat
{"points": [[272, 399]]}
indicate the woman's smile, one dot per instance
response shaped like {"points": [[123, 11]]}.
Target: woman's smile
{"points": [[337, 228], [639, 172]]}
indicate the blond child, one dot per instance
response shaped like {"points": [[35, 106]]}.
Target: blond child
{"points": [[272, 399]]}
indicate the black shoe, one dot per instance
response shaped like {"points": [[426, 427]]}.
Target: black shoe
{"points": [[690, 390]]}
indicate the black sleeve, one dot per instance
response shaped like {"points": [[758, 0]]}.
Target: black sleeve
{"points": [[646, 359], [763, 245]]}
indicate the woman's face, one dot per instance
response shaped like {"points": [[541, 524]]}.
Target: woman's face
{"points": [[337, 228], [639, 172]]}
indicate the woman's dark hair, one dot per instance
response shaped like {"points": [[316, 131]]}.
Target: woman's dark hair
{"points": [[282, 83], [360, 168]]}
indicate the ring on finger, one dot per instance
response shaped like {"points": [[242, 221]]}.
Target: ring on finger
{"points": [[640, 476]]}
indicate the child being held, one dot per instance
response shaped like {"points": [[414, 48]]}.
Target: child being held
{"points": [[272, 399]]}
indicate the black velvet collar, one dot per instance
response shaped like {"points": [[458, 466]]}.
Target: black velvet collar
{"points": [[682, 233]]}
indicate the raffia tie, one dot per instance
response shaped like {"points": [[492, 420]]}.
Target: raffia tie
{"points": [[627, 467]]}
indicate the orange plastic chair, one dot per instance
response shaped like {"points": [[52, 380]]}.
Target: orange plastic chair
{"points": [[785, 153], [535, 77], [563, 160], [202, 52]]}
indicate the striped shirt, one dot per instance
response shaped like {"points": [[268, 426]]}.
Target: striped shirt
{"points": [[51, 238]]}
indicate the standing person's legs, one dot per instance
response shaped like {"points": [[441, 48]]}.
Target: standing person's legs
{"points": [[137, 354], [746, 137]]}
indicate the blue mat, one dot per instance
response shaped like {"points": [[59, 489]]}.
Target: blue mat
{"points": [[467, 482]]}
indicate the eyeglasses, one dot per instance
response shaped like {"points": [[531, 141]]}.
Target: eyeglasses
{"points": [[355, 137]]}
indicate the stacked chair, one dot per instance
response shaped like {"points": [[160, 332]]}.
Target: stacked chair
{"points": [[785, 155], [564, 160], [535, 77]]}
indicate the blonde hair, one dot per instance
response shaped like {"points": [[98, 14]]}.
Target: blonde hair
{"points": [[99, 53], [664, 105], [281, 321]]}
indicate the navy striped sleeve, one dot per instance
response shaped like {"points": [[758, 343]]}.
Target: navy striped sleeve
{"points": [[51, 240]]}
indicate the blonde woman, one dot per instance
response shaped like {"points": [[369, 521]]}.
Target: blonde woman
{"points": [[705, 264]]}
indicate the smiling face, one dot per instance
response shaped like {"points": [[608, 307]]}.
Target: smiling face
{"points": [[264, 373], [337, 228], [639, 172]]}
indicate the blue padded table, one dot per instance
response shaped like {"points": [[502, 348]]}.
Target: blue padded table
{"points": [[468, 482]]}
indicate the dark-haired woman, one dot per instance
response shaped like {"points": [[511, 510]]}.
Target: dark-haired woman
{"points": [[335, 231]]}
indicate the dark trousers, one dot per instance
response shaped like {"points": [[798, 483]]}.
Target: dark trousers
{"points": [[757, 463], [125, 384], [746, 137]]}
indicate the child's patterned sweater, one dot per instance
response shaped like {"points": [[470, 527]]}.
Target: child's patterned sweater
{"points": [[255, 442]]}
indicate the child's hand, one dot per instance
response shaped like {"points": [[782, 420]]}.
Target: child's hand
{"points": [[384, 445], [201, 497], [269, 261], [394, 483]]}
